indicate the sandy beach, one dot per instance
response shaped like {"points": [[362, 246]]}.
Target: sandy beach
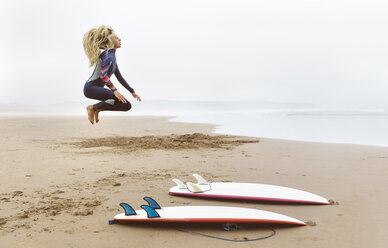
{"points": [[62, 179]]}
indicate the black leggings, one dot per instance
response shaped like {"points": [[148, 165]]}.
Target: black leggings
{"points": [[95, 90]]}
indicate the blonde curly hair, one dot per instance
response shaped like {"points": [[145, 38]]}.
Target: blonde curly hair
{"points": [[95, 39]]}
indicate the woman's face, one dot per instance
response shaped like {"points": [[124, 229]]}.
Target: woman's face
{"points": [[116, 41]]}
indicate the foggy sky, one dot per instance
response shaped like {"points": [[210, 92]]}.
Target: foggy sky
{"points": [[329, 52]]}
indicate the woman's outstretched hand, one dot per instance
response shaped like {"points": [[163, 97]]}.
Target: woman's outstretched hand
{"points": [[136, 96], [120, 97]]}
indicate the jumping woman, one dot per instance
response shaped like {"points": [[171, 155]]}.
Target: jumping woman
{"points": [[96, 39]]}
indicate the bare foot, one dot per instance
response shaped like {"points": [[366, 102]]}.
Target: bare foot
{"points": [[96, 115], [90, 113]]}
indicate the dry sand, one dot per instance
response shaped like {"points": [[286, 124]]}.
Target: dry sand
{"points": [[62, 179]]}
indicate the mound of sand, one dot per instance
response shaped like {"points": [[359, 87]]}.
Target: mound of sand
{"points": [[167, 142]]}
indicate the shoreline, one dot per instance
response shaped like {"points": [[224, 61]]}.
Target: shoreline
{"points": [[173, 119], [58, 194]]}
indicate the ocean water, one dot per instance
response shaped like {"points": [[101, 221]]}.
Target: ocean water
{"points": [[255, 118], [331, 126]]}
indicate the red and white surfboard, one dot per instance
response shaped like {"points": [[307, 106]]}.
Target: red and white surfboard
{"points": [[244, 191], [209, 214]]}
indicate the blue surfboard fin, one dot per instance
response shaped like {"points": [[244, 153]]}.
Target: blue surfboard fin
{"points": [[151, 202], [151, 213], [128, 209]]}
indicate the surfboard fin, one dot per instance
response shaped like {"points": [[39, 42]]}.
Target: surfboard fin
{"points": [[200, 180], [179, 183], [151, 202], [151, 213], [194, 188], [128, 209]]}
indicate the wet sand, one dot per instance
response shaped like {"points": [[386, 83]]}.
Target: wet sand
{"points": [[62, 179]]}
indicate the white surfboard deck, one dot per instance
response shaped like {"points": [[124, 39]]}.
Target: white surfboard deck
{"points": [[247, 191], [210, 214]]}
